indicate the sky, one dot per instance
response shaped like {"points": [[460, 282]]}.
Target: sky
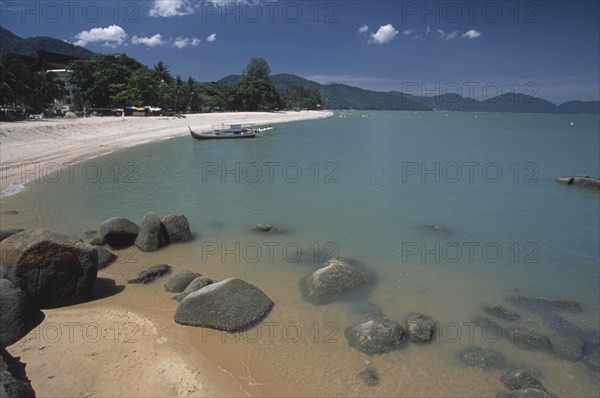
{"points": [[479, 49]]}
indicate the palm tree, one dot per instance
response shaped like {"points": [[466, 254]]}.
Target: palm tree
{"points": [[191, 85], [178, 86], [161, 72], [46, 89], [13, 78]]}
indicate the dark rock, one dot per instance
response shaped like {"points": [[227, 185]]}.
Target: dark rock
{"points": [[151, 274], [420, 328], [528, 339], [567, 347], [525, 393], [370, 376], [180, 281], [97, 241], [90, 234], [542, 303], [194, 285], [16, 315], [229, 305], [178, 228], [105, 257], [591, 356], [5, 233], [477, 357], [376, 336], [502, 312], [10, 212], [3, 272], [436, 228], [335, 279], [266, 228], [561, 326], [119, 232], [152, 235], [13, 380], [522, 378], [51, 268], [367, 310]]}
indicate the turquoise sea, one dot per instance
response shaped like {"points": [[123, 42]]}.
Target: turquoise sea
{"points": [[368, 186]]}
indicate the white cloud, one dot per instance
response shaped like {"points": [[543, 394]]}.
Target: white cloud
{"points": [[384, 34], [408, 32], [447, 35], [472, 34], [427, 30], [112, 36], [363, 29], [153, 41], [211, 38], [182, 42], [171, 8]]}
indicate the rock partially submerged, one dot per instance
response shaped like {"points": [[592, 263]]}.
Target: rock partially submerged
{"points": [[498, 310], [194, 285], [105, 257], [420, 328], [528, 339], [119, 232], [177, 227], [567, 347], [485, 359], [51, 268], [370, 376], [436, 228], [545, 304], [266, 228], [522, 378], [180, 281], [376, 336], [334, 280], [151, 274], [584, 181], [152, 234], [230, 305]]}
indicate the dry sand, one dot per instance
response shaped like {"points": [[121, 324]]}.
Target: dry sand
{"points": [[113, 346], [31, 147]]}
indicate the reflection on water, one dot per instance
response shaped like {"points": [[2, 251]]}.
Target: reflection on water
{"points": [[367, 189]]}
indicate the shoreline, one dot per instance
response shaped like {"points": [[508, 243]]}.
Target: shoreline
{"points": [[36, 148]]}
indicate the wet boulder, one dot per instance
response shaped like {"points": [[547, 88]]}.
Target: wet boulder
{"points": [[230, 305], [119, 232], [266, 228], [522, 378], [528, 339], [334, 280], [498, 310], [53, 269], [376, 336], [567, 347], [177, 227], [151, 274], [152, 235], [420, 328], [180, 281], [481, 358]]}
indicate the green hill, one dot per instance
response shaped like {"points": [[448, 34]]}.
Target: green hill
{"points": [[29, 46]]}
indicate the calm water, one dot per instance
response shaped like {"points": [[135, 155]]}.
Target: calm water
{"points": [[365, 186]]}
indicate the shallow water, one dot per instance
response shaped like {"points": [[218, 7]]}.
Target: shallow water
{"points": [[364, 188]]}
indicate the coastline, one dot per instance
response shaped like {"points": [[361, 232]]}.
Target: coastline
{"points": [[39, 147]]}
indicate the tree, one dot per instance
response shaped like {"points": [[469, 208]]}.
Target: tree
{"points": [[14, 77], [258, 68], [161, 72], [45, 90], [253, 94]]}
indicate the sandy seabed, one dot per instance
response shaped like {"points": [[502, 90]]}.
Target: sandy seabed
{"points": [[112, 346]]}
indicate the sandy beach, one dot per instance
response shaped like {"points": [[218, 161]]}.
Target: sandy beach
{"points": [[31, 147], [113, 345]]}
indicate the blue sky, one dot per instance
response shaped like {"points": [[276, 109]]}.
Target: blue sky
{"points": [[476, 48]]}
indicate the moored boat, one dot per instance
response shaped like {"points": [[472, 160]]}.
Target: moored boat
{"points": [[220, 132]]}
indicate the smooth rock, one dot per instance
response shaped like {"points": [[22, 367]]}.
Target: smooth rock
{"points": [[335, 279], [105, 257], [51, 268], [177, 227], [151, 274], [180, 280], [5, 233], [194, 285], [229, 305], [376, 336], [119, 232], [522, 378], [152, 235]]}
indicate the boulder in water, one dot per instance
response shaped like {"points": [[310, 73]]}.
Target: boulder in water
{"points": [[376, 336]]}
